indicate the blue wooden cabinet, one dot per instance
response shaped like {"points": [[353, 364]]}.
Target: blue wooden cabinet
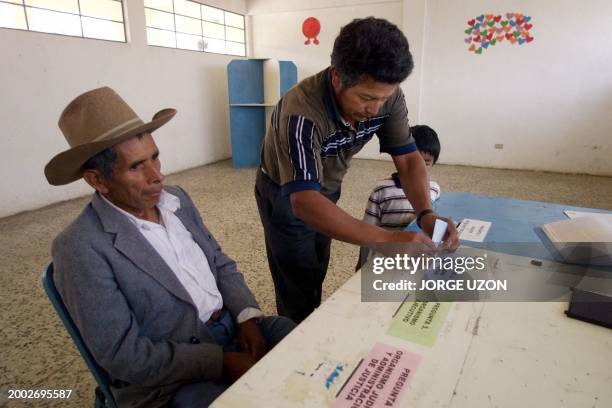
{"points": [[254, 88]]}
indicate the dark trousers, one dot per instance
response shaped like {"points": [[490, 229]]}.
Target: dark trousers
{"points": [[298, 255], [202, 394]]}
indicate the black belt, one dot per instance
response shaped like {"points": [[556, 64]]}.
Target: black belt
{"points": [[216, 316]]}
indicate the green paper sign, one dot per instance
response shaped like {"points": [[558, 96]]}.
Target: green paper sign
{"points": [[419, 322]]}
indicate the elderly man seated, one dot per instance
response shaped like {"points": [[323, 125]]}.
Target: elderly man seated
{"points": [[163, 310]]}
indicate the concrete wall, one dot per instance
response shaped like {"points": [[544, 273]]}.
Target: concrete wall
{"points": [[276, 29], [549, 102], [41, 73]]}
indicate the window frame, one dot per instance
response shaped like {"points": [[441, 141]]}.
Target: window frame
{"points": [[202, 36], [25, 6]]}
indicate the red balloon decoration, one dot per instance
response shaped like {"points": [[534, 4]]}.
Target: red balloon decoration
{"points": [[311, 29]]}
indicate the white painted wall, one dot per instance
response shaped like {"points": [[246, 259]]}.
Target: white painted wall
{"points": [[276, 31], [41, 73], [548, 102]]}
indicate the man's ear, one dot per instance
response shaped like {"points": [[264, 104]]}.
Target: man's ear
{"points": [[95, 179], [335, 80]]}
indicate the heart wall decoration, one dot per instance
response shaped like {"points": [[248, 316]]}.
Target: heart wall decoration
{"points": [[488, 30]]}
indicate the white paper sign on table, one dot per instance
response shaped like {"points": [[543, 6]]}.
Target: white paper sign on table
{"points": [[473, 230]]}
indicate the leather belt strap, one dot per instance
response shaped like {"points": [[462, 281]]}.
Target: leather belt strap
{"points": [[217, 314]]}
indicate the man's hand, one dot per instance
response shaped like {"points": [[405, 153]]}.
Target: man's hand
{"points": [[251, 340], [450, 242], [404, 242], [236, 364]]}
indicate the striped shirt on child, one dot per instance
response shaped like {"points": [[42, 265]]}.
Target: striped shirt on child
{"points": [[388, 207]]}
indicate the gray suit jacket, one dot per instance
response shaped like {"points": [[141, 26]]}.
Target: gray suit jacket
{"points": [[133, 313]]}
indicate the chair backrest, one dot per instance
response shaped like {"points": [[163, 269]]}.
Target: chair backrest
{"points": [[98, 372]]}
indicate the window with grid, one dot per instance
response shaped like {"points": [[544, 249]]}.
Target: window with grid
{"points": [[101, 19], [190, 25]]}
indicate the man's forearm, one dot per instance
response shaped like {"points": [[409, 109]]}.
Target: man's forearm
{"points": [[415, 182], [324, 216]]}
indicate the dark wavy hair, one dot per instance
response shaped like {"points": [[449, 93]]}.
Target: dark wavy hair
{"points": [[371, 47], [104, 162]]}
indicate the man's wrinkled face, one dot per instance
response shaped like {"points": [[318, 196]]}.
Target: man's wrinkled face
{"points": [[363, 100], [137, 180]]}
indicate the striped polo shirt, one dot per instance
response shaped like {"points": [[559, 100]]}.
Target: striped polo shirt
{"points": [[309, 146], [388, 206]]}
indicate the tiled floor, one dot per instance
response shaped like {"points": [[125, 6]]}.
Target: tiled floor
{"points": [[35, 350]]}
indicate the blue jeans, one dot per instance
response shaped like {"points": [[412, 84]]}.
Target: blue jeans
{"points": [[225, 332]]}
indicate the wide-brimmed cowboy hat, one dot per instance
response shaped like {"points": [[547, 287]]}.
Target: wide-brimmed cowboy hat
{"points": [[91, 123]]}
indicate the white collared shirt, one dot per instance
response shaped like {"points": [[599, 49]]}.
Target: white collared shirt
{"points": [[175, 244]]}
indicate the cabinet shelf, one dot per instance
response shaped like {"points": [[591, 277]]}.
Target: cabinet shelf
{"points": [[250, 82]]}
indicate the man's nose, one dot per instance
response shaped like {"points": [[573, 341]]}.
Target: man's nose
{"points": [[154, 174], [373, 108]]}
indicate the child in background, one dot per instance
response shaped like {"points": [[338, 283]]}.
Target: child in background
{"points": [[388, 206]]}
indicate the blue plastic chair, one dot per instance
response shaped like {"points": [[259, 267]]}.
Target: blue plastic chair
{"points": [[104, 397]]}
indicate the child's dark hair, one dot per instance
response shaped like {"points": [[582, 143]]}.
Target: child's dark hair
{"points": [[426, 140]]}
